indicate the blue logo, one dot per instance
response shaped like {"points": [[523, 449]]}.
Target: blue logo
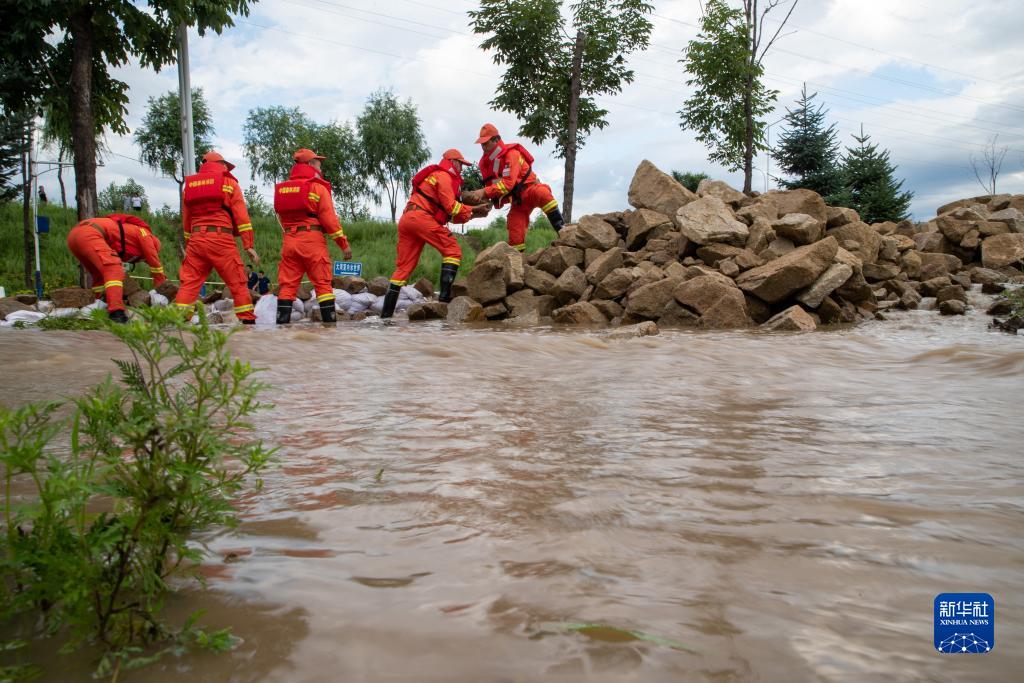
{"points": [[965, 623], [347, 268]]}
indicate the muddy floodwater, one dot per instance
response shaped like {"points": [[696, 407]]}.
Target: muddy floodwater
{"points": [[451, 504]]}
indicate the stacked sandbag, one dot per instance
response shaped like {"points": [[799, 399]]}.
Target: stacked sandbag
{"points": [[719, 259]]}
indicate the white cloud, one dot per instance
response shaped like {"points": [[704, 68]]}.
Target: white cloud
{"points": [[325, 56]]}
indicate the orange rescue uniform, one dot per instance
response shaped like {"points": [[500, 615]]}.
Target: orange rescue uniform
{"points": [[433, 204], [509, 177], [213, 214], [308, 219], [102, 244]]}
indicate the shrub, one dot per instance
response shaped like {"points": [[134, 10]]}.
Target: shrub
{"points": [[153, 458]]}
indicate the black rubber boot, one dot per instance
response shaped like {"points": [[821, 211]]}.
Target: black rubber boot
{"points": [[555, 218], [284, 311], [328, 314], [448, 273], [118, 316], [390, 300], [248, 321]]}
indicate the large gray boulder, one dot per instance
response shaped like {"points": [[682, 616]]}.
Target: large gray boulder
{"points": [[999, 251], [556, 259], [594, 233], [570, 285], [462, 309], [538, 280], [793, 319], [511, 260], [777, 279], [486, 282], [827, 282], [600, 267], [649, 300], [580, 313], [806, 202], [868, 241], [644, 224], [616, 283], [719, 305], [721, 190], [709, 220], [655, 190], [800, 228]]}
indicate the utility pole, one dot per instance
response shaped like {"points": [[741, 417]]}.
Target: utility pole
{"points": [[574, 116], [188, 151], [35, 209]]}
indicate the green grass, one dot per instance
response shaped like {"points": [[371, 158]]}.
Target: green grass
{"points": [[373, 243]]}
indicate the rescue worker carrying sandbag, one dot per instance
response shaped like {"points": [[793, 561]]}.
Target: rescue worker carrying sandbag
{"points": [[101, 245], [305, 209], [213, 213], [507, 169], [433, 204]]}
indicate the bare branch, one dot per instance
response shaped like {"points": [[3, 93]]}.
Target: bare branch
{"points": [[782, 24], [987, 169]]}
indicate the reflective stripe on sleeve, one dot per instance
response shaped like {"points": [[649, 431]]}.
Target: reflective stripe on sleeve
{"points": [[547, 208], [245, 227], [336, 235], [456, 208], [156, 270], [314, 196], [113, 283], [452, 260], [501, 187]]}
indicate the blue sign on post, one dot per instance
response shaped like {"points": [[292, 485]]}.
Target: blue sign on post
{"points": [[42, 224], [348, 268]]}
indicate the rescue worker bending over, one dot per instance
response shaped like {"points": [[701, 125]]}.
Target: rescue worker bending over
{"points": [[101, 245], [213, 214], [507, 169], [305, 209], [433, 204]]}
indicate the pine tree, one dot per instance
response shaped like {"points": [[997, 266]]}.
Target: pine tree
{"points": [[869, 183], [808, 151]]}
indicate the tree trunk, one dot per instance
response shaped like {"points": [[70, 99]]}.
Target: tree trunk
{"points": [[83, 127], [748, 132], [26, 210], [394, 207], [574, 115], [60, 178]]}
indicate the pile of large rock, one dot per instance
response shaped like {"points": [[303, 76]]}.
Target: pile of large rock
{"points": [[720, 259]]}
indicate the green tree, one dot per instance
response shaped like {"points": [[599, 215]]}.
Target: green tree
{"points": [[690, 179], [870, 185], [730, 99], [111, 200], [61, 52], [393, 145], [552, 76], [258, 206], [272, 134], [159, 136], [12, 148], [808, 150], [472, 178]]}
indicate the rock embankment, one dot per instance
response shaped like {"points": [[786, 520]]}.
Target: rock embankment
{"points": [[719, 259]]}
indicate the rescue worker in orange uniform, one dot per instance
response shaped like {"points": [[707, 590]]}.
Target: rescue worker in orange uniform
{"points": [[433, 204], [213, 214], [305, 208], [507, 169], [102, 244]]}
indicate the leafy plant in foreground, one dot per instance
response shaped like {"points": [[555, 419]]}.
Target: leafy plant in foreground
{"points": [[154, 457]]}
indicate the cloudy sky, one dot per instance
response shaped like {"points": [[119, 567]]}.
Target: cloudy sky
{"points": [[931, 81]]}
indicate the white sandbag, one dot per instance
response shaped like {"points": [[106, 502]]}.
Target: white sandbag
{"points": [[28, 317], [298, 306], [44, 307], [266, 310], [224, 305], [157, 299], [64, 312], [99, 304], [378, 305], [412, 294], [361, 302], [342, 300], [296, 316]]}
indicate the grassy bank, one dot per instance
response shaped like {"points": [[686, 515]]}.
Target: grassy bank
{"points": [[373, 243]]}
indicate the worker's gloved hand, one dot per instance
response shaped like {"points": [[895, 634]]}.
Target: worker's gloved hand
{"points": [[253, 255], [481, 210], [347, 253]]}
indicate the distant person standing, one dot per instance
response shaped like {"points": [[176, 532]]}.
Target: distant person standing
{"points": [[136, 203], [263, 283], [127, 203], [42, 195], [251, 277]]}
